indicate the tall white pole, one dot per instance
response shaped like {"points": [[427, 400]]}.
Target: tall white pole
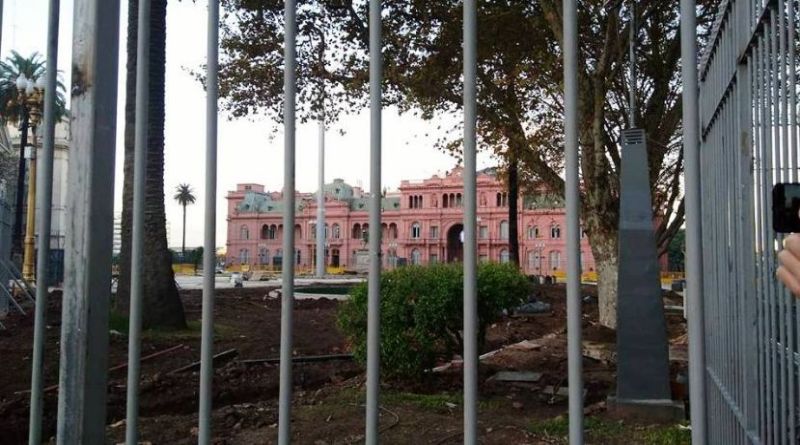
{"points": [[45, 187], [694, 248], [374, 289], [575, 359], [321, 200], [470, 218], [210, 229], [137, 244], [287, 268]]}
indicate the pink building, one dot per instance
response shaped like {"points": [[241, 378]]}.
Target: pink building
{"points": [[422, 223]]}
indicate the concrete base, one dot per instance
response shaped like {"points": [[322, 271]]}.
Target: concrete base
{"points": [[647, 410]]}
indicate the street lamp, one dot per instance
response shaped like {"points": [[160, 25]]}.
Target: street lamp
{"points": [[31, 94]]}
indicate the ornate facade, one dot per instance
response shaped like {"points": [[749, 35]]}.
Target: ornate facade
{"points": [[421, 223]]}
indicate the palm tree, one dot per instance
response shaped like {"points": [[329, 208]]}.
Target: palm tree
{"points": [[162, 304], [15, 111], [184, 197]]}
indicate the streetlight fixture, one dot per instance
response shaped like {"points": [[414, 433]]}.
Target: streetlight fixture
{"points": [[31, 94]]}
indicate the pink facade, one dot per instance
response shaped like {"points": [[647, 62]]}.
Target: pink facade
{"points": [[422, 223]]}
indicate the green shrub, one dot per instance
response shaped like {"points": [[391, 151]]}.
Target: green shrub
{"points": [[422, 313]]}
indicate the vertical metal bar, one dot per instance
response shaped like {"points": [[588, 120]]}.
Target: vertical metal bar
{"points": [[694, 245], [210, 228], [374, 285], [321, 198], [575, 364], [287, 270], [137, 243], [87, 262], [470, 218], [45, 186]]}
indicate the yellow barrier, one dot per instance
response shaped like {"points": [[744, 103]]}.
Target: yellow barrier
{"points": [[183, 269]]}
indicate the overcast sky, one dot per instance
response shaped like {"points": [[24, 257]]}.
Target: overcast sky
{"points": [[247, 153]]}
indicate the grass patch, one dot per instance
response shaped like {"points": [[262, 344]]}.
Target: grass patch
{"points": [[610, 431], [425, 401]]}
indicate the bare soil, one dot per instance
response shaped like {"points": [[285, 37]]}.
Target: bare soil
{"points": [[329, 396]]}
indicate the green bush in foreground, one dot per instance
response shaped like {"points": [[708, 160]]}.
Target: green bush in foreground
{"points": [[421, 313]]}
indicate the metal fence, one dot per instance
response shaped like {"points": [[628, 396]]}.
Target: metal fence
{"points": [[742, 136], [748, 126]]}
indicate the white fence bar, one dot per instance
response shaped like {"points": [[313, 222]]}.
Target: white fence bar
{"points": [[694, 264], [137, 243], [45, 186], [470, 218], [89, 221], [210, 228], [287, 269], [574, 354], [374, 281], [321, 197]]}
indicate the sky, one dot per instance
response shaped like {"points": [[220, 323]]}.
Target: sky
{"points": [[249, 150]]}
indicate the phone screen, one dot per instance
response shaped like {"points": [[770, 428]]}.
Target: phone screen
{"points": [[786, 207]]}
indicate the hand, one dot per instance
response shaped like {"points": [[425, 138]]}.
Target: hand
{"points": [[789, 257]]}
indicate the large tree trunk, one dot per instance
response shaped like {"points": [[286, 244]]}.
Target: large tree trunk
{"points": [[513, 209], [183, 242], [162, 305], [16, 248], [606, 258]]}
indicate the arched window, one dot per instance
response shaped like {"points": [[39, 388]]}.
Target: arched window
{"points": [[504, 256], [533, 260], [503, 229], [416, 257], [244, 233], [410, 202], [298, 232], [265, 232], [445, 201], [499, 200], [244, 256], [416, 230], [273, 230], [453, 200], [313, 230], [531, 234], [555, 260], [555, 231], [392, 231], [356, 231], [337, 231], [327, 231], [458, 200], [483, 200]]}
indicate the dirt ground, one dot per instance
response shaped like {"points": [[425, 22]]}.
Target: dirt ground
{"points": [[329, 396]]}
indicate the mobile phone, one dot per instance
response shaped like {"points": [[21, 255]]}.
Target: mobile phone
{"points": [[786, 207]]}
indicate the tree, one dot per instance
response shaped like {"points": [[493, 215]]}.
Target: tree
{"points": [[15, 110], [184, 196], [162, 304], [520, 94]]}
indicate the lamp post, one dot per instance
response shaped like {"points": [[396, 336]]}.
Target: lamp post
{"points": [[31, 96]]}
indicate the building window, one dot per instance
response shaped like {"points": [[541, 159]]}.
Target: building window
{"points": [[244, 233], [555, 260], [555, 231], [503, 229], [483, 200], [264, 256], [297, 255], [415, 257], [483, 232], [502, 200], [534, 261], [445, 201], [459, 203], [337, 231], [265, 232], [244, 256], [434, 258], [416, 230], [392, 231], [356, 231], [533, 232], [435, 232], [504, 256], [313, 230]]}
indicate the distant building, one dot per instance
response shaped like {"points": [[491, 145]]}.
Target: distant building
{"points": [[421, 223]]}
